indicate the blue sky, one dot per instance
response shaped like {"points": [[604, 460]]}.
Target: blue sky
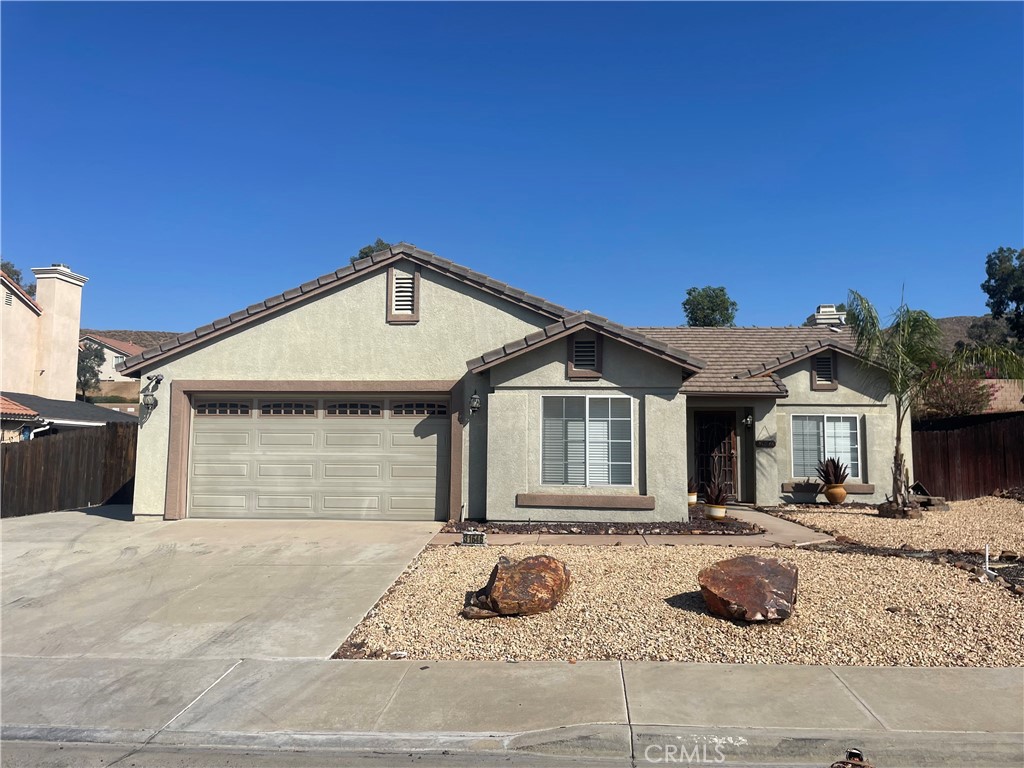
{"points": [[192, 158]]}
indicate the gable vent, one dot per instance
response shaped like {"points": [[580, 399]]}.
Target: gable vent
{"points": [[823, 369], [8, 298], [403, 300], [584, 354]]}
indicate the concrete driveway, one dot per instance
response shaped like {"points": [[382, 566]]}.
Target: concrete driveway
{"points": [[97, 585]]}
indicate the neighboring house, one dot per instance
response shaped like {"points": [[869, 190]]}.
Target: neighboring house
{"points": [[17, 421], [55, 416], [407, 387], [115, 352], [1007, 395], [40, 336]]}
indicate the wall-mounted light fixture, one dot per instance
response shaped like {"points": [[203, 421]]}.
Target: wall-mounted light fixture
{"points": [[474, 403], [748, 421], [149, 401]]}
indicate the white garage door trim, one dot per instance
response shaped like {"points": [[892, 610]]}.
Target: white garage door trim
{"points": [[345, 456]]}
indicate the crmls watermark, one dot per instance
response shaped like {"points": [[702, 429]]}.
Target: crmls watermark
{"points": [[696, 754]]}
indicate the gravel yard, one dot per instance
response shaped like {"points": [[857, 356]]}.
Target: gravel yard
{"points": [[644, 604], [967, 525]]}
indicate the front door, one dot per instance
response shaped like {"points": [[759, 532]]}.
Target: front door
{"points": [[715, 433]]}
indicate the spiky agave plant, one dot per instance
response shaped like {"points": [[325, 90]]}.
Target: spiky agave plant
{"points": [[832, 471]]}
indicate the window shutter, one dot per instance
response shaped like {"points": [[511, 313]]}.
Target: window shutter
{"points": [[403, 300]]}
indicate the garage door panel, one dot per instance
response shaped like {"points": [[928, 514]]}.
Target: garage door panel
{"points": [[334, 466], [352, 503], [285, 470], [347, 471], [283, 502], [222, 438], [289, 439], [203, 469], [353, 439], [403, 471]]}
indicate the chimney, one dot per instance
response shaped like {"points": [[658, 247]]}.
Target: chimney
{"points": [[826, 314], [59, 295]]}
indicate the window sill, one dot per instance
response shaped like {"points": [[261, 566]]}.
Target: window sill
{"points": [[584, 501], [583, 375], [815, 487]]}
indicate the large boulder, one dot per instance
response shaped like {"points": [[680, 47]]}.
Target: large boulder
{"points": [[749, 588], [532, 585]]}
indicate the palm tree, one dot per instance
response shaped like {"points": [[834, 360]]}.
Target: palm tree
{"points": [[907, 354]]}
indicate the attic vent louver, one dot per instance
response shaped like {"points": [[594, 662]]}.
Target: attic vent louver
{"points": [[404, 298], [584, 354], [823, 369]]}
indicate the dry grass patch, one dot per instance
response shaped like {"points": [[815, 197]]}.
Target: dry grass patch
{"points": [[967, 525], [643, 603]]}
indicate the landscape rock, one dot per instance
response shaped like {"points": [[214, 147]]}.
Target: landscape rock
{"points": [[893, 510], [750, 588], [532, 585]]}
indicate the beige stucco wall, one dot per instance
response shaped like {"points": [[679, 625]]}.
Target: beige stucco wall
{"points": [[658, 421], [861, 393], [107, 371], [343, 336], [19, 339]]}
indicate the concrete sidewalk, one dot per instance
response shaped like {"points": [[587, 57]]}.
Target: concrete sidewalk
{"points": [[628, 713], [776, 532]]}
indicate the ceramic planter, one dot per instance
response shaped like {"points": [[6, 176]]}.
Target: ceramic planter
{"points": [[714, 512], [836, 494], [691, 499]]}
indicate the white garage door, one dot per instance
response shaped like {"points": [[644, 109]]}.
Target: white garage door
{"points": [[355, 457]]}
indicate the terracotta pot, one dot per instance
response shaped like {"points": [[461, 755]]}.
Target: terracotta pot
{"points": [[836, 494], [714, 512], [691, 499]]}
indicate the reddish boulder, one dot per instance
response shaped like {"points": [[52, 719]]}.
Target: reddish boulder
{"points": [[749, 588], [532, 585]]}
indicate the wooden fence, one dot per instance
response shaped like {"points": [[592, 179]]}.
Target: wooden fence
{"points": [[970, 457], [77, 468]]}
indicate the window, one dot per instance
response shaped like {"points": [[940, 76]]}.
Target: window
{"points": [[587, 441], [823, 373], [288, 409], [353, 409], [403, 296], [818, 437], [118, 359], [222, 408], [419, 409]]}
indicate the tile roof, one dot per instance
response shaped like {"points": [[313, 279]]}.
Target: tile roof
{"points": [[576, 322], [11, 409], [329, 281], [21, 292], [116, 344], [742, 361], [68, 410]]}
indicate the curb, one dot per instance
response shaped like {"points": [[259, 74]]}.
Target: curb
{"points": [[649, 745]]}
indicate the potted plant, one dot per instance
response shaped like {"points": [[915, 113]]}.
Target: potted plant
{"points": [[691, 492], [715, 497], [833, 474]]}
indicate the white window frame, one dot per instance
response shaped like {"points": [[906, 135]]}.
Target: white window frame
{"points": [[825, 417], [586, 442]]}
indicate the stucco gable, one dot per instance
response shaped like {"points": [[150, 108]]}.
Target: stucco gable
{"points": [[314, 289], [578, 322]]}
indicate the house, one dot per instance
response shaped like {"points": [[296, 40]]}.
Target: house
{"points": [[17, 422], [115, 352], [408, 387], [39, 349], [52, 416]]}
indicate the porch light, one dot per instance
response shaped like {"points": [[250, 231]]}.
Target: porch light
{"points": [[149, 401], [748, 421], [474, 403]]}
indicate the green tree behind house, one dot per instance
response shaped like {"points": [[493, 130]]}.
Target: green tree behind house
{"points": [[709, 307]]}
